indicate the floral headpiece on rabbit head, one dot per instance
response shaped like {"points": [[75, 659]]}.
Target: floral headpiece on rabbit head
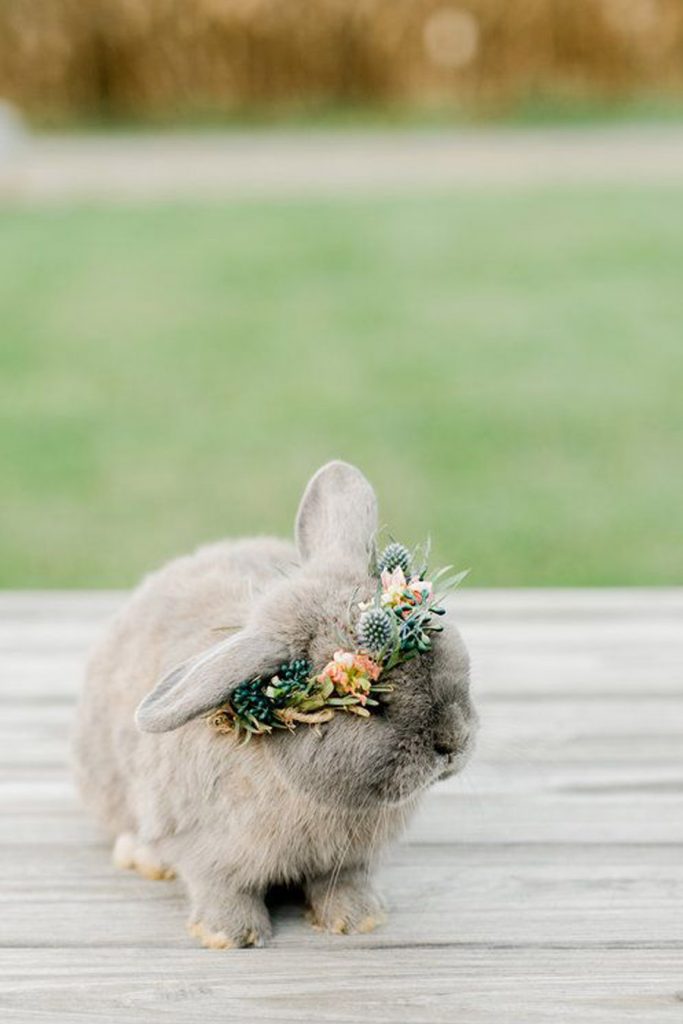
{"points": [[395, 625]]}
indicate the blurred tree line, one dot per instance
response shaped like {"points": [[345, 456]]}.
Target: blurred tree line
{"points": [[104, 58]]}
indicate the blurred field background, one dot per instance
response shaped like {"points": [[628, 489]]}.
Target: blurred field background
{"points": [[505, 366], [504, 362], [66, 59]]}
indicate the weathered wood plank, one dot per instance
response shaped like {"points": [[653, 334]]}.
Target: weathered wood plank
{"points": [[522, 642], [544, 884], [519, 670], [334, 985], [582, 731], [446, 819], [524, 602], [545, 771], [67, 895], [67, 617], [443, 819], [549, 819]]}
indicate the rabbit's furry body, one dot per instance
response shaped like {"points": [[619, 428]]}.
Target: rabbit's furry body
{"points": [[312, 807]]}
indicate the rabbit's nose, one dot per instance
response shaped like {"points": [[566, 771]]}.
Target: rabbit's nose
{"points": [[453, 744], [447, 740], [451, 734]]}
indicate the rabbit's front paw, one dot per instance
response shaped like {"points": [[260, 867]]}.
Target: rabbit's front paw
{"points": [[347, 906], [130, 854], [233, 924]]}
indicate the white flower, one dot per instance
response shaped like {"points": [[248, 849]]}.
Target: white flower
{"points": [[344, 658], [393, 587]]}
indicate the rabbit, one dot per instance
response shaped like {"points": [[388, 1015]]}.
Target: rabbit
{"points": [[310, 808]]}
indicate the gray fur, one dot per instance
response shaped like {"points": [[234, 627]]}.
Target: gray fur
{"points": [[312, 807], [204, 681]]}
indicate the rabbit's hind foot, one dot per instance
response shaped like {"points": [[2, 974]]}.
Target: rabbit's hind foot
{"points": [[130, 854]]}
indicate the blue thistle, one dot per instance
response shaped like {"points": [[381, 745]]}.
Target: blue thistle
{"points": [[394, 556], [375, 630]]}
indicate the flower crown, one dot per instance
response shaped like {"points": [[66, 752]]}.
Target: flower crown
{"points": [[393, 627]]}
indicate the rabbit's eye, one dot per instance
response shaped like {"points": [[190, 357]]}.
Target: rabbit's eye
{"points": [[384, 700]]}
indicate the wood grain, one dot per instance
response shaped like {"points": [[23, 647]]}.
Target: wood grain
{"points": [[545, 884], [411, 985], [443, 895]]}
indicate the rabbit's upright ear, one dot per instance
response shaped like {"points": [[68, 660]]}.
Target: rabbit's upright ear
{"points": [[337, 516], [206, 681]]}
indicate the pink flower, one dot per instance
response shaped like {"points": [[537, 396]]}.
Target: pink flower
{"points": [[367, 666], [337, 669], [420, 589], [395, 578], [351, 673], [397, 590]]}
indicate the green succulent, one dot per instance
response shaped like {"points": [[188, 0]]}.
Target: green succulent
{"points": [[251, 704], [292, 678]]}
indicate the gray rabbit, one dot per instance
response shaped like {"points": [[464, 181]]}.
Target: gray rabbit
{"points": [[311, 807]]}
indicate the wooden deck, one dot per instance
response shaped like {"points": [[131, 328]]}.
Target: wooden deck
{"points": [[544, 885]]}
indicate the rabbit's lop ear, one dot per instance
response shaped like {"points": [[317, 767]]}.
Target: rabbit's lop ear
{"points": [[206, 681], [337, 516]]}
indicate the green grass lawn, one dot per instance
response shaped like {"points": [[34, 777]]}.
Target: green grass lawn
{"points": [[506, 366]]}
